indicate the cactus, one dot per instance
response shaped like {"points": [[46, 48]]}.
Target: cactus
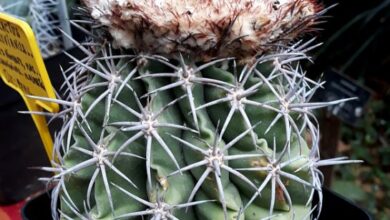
{"points": [[190, 110], [17, 8], [43, 16]]}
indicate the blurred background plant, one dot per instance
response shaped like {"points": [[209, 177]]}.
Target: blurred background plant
{"points": [[18, 8], [45, 17], [356, 43], [369, 183]]}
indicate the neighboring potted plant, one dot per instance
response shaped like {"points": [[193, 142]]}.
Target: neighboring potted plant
{"points": [[190, 110], [45, 18]]}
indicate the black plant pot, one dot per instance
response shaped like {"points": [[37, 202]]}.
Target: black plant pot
{"points": [[335, 207], [20, 149]]}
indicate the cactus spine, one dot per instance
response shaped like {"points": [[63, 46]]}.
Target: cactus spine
{"points": [[200, 112]]}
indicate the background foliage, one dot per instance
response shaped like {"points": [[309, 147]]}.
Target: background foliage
{"points": [[357, 44]]}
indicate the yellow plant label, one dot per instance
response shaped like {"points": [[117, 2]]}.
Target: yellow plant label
{"points": [[22, 68]]}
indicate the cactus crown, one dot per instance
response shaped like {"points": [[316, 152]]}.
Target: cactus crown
{"points": [[205, 29], [184, 127]]}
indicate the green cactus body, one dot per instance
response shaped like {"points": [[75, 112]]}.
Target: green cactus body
{"points": [[184, 135]]}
